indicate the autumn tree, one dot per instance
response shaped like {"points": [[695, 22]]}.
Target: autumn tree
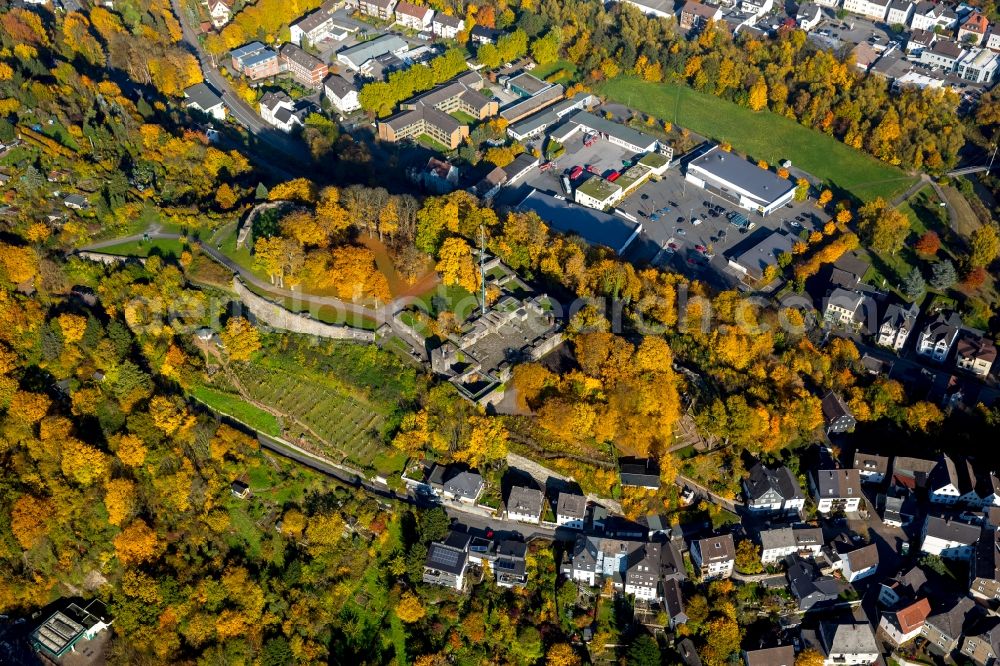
{"points": [[241, 338], [984, 246], [410, 609], [883, 227], [758, 95], [748, 557], [928, 244], [137, 543], [809, 657], [562, 654], [28, 519], [119, 499], [455, 265], [131, 450], [487, 442]]}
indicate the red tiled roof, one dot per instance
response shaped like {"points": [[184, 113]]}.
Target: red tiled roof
{"points": [[912, 617]]}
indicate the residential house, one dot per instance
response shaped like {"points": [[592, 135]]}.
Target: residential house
{"points": [[525, 504], [319, 26], [981, 642], [776, 656], [507, 560], [593, 559], [772, 490], [836, 490], [673, 603], [571, 510], [898, 627], [76, 201], [808, 16], [201, 97], [993, 39], [694, 15], [220, 12], [973, 29], [949, 539], [899, 12], [780, 542], [380, 9], [306, 69], [927, 15], [898, 507], [975, 353], [447, 561], [239, 490], [942, 54], [988, 489], [756, 8], [837, 415], [642, 578], [870, 9], [446, 27], [255, 61], [714, 556], [952, 482], [938, 337], [859, 563], [852, 643], [917, 42], [829, 4], [520, 167], [490, 184], [480, 34], [984, 570], [641, 473], [943, 630], [911, 473], [871, 467], [904, 589], [844, 308], [454, 483], [413, 16], [278, 109], [896, 326], [342, 94], [440, 176]]}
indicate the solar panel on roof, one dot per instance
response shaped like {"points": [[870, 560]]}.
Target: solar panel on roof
{"points": [[446, 556]]}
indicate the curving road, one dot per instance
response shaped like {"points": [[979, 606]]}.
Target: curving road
{"points": [[245, 114]]}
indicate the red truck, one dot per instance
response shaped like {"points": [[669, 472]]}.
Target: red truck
{"points": [[613, 176], [575, 173]]}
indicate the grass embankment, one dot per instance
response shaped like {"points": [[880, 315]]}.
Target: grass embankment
{"points": [[236, 407], [161, 247], [762, 135]]}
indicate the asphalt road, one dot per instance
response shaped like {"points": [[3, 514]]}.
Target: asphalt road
{"points": [[245, 114]]}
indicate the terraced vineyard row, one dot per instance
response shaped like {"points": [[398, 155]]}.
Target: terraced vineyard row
{"points": [[348, 424]]}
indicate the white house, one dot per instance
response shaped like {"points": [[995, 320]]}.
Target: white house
{"points": [[201, 97], [871, 467], [974, 352], [896, 326], [871, 9], [859, 563], [952, 482], [220, 11], [757, 8], [988, 489], [836, 490], [903, 625], [927, 15], [808, 16], [278, 109], [899, 13], [848, 644], [413, 16], [525, 505], [949, 539], [571, 511], [778, 543], [978, 65], [714, 556], [772, 490], [341, 93], [446, 27], [938, 337]]}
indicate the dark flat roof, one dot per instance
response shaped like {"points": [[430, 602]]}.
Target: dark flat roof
{"points": [[591, 225]]}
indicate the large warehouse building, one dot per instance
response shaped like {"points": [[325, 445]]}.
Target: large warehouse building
{"points": [[743, 183]]}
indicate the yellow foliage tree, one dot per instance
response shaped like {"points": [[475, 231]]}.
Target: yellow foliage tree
{"points": [[119, 499], [131, 450], [301, 189], [137, 543], [562, 654], [72, 327], [27, 519], [82, 462], [410, 609], [455, 265], [487, 443], [241, 339]]}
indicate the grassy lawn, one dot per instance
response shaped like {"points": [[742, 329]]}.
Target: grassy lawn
{"points": [[432, 143], [389, 462], [464, 118], [925, 213], [762, 135], [235, 406], [162, 247], [450, 299], [546, 70]]}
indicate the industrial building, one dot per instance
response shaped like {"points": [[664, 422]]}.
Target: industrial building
{"points": [[740, 182], [593, 226]]}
